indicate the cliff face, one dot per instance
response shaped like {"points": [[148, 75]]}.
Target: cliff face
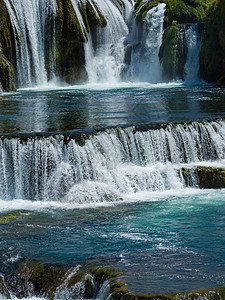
{"points": [[212, 55], [173, 52], [6, 33], [6, 74]]}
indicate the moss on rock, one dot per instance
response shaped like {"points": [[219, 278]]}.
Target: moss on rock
{"points": [[173, 51], [38, 279], [5, 28], [71, 36], [207, 177], [6, 74], [212, 54], [94, 15], [69, 44], [186, 11], [211, 177], [142, 7], [6, 43]]}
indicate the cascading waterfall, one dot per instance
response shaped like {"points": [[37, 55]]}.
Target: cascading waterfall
{"points": [[105, 51], [194, 45], [108, 166], [116, 52], [145, 65], [29, 19]]}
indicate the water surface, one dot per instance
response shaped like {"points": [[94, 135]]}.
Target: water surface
{"points": [[91, 106]]}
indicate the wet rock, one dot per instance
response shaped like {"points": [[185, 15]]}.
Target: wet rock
{"points": [[204, 177], [6, 74], [189, 11], [211, 177], [173, 51], [212, 54], [6, 44]]}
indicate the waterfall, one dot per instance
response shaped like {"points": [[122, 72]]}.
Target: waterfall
{"points": [[145, 65], [121, 50], [108, 166], [104, 50], [79, 16], [194, 45], [29, 19]]}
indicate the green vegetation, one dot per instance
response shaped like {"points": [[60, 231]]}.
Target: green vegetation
{"points": [[173, 51], [6, 39], [186, 11], [6, 73], [208, 177], [212, 55], [181, 11], [35, 278], [5, 28], [142, 7]]}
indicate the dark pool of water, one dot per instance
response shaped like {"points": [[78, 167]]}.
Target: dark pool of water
{"points": [[81, 108]]}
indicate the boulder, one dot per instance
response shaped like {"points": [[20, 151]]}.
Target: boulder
{"points": [[204, 177]]}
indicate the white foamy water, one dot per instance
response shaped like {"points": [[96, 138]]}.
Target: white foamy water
{"points": [[109, 167], [29, 19], [194, 45], [106, 47], [145, 64], [104, 52]]}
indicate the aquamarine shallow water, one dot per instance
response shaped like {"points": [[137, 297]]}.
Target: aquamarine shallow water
{"points": [[174, 243], [164, 241]]}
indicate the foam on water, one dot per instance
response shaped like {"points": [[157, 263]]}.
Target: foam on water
{"points": [[101, 87], [107, 166], [207, 195]]}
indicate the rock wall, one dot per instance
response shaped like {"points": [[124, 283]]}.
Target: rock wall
{"points": [[212, 55], [6, 74], [6, 33]]}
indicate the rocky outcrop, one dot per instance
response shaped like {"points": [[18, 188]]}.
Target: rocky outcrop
{"points": [[69, 49], [70, 39], [189, 11], [212, 55], [210, 178], [173, 51], [6, 74], [142, 7], [88, 282], [6, 43], [204, 177]]}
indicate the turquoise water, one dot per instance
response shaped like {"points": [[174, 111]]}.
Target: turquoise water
{"points": [[166, 244], [165, 239]]}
